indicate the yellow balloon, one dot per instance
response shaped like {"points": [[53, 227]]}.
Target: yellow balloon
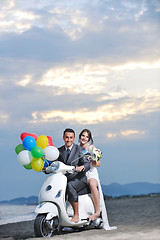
{"points": [[42, 141], [37, 164]]}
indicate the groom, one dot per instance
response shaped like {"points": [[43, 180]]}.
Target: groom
{"points": [[70, 154]]}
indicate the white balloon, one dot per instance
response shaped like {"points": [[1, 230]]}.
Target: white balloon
{"points": [[24, 157], [51, 153]]}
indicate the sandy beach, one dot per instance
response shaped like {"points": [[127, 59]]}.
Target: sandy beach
{"points": [[135, 218]]}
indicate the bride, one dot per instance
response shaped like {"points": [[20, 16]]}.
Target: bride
{"points": [[93, 179]]}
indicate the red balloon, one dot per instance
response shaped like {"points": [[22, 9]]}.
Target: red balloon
{"points": [[50, 142], [23, 135]]}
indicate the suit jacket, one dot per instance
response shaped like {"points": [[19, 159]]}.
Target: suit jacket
{"points": [[74, 160]]}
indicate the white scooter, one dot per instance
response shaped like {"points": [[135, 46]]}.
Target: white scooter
{"points": [[54, 212]]}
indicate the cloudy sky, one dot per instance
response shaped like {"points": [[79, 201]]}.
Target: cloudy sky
{"points": [[81, 64]]}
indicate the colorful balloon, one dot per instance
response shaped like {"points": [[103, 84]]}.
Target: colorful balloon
{"points": [[42, 141], [19, 148], [24, 134], [47, 162], [24, 157], [50, 142], [37, 152], [51, 153], [28, 166], [29, 142], [37, 164]]}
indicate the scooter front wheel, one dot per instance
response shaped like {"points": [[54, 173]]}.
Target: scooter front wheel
{"points": [[43, 227]]}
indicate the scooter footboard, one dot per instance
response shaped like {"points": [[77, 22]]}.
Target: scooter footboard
{"points": [[49, 208]]}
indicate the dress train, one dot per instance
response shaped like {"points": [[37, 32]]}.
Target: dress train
{"points": [[103, 209]]}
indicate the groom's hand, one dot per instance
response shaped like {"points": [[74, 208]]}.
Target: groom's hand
{"points": [[79, 169]]}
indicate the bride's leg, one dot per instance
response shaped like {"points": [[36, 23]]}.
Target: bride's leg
{"points": [[95, 198]]}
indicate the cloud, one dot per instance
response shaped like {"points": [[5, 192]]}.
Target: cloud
{"points": [[72, 21], [86, 79], [3, 117], [89, 78], [25, 15], [129, 133], [25, 81], [114, 111], [15, 20], [67, 32]]}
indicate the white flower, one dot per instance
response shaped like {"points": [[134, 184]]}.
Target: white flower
{"points": [[96, 154]]}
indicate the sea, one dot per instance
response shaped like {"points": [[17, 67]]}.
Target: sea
{"points": [[16, 213]]}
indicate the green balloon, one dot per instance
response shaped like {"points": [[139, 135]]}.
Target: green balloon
{"points": [[37, 152], [19, 148], [28, 166]]}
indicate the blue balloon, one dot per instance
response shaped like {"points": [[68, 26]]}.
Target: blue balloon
{"points": [[29, 142], [47, 162]]}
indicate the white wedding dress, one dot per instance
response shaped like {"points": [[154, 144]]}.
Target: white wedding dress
{"points": [[93, 173]]}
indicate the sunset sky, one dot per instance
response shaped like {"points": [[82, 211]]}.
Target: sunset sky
{"points": [[81, 64]]}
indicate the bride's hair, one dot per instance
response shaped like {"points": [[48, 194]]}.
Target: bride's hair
{"points": [[90, 139]]}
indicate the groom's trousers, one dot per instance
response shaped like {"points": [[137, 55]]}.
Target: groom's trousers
{"points": [[73, 187]]}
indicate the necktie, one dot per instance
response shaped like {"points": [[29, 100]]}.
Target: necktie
{"points": [[68, 153]]}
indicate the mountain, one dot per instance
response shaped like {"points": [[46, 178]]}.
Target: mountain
{"points": [[22, 200], [132, 189], [112, 190]]}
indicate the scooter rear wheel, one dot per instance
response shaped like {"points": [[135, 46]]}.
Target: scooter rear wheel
{"points": [[41, 228]]}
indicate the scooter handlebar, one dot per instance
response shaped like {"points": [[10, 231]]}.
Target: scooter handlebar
{"points": [[59, 167]]}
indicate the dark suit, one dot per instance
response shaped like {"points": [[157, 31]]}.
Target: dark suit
{"points": [[76, 181]]}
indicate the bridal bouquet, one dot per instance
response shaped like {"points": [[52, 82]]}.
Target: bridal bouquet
{"points": [[96, 154]]}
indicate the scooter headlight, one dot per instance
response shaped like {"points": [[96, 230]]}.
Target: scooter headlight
{"points": [[54, 166]]}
